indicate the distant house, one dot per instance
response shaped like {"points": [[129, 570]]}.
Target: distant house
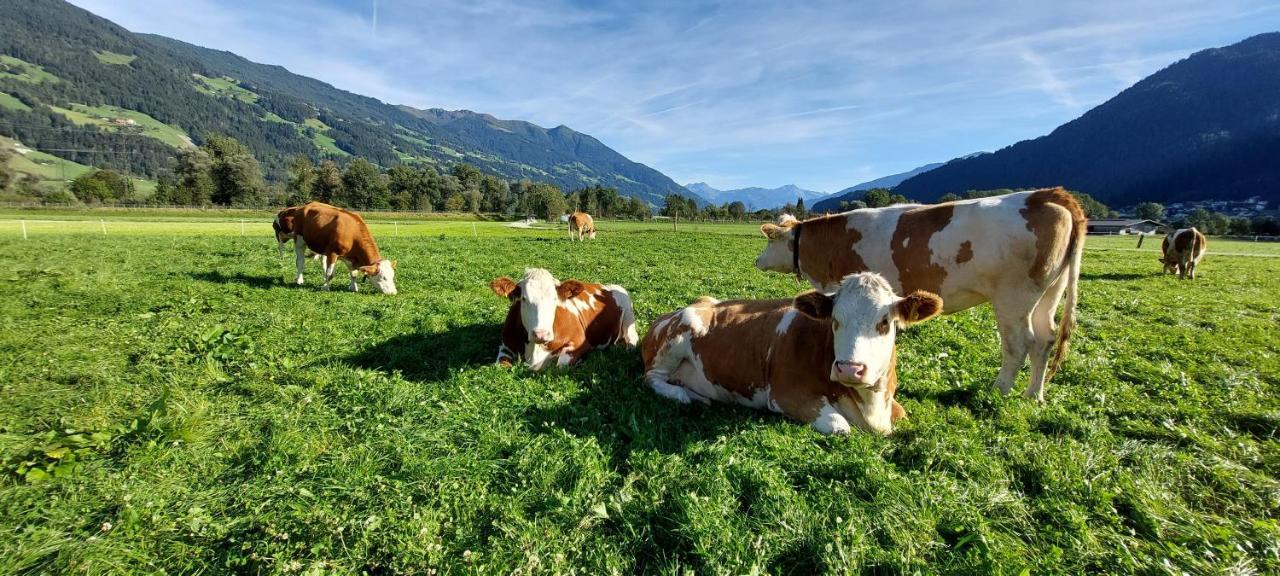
{"points": [[123, 121], [1124, 226]]}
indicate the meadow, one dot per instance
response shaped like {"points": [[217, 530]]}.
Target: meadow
{"points": [[171, 405]]}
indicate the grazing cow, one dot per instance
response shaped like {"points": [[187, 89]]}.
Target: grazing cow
{"points": [[823, 360], [1182, 250], [1019, 251], [334, 233], [581, 223], [557, 323]]}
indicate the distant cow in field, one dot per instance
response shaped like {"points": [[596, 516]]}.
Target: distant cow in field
{"points": [[581, 224], [827, 361], [1182, 250], [557, 323], [333, 234], [1019, 251]]}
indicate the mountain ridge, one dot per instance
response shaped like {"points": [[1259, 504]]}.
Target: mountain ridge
{"points": [[754, 197]]}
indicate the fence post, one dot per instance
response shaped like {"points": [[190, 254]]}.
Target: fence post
{"points": [[242, 226], [473, 231], [397, 228], [104, 226], [24, 229]]}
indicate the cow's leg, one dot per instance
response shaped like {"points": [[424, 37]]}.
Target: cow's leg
{"points": [[830, 421], [665, 363], [300, 253], [330, 266], [1043, 336], [1013, 316], [351, 273]]}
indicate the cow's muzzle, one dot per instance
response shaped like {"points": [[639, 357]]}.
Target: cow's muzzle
{"points": [[849, 372]]}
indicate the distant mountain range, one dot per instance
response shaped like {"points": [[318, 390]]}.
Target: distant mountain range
{"points": [[1206, 127], [62, 68], [754, 198], [831, 202]]}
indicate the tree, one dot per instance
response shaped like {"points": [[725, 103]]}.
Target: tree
{"points": [[800, 210], [328, 184], [546, 202], [100, 186], [737, 210], [193, 174], [302, 180], [1092, 207], [1200, 219], [1149, 211], [237, 178], [455, 203], [364, 187], [876, 197], [948, 197], [898, 199], [847, 205]]}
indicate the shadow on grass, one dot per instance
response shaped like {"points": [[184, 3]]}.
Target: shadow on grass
{"points": [[1119, 276], [433, 356], [238, 278]]}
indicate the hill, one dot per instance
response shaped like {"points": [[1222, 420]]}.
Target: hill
{"points": [[754, 198], [1205, 127], [831, 202], [59, 59]]}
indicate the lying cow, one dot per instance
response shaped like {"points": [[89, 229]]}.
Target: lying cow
{"points": [[557, 323], [1181, 251], [333, 234], [823, 360], [581, 223], [1019, 251]]}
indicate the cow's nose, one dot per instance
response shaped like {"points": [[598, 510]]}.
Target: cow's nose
{"points": [[542, 336], [846, 371]]}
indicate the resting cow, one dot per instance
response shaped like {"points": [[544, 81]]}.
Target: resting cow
{"points": [[333, 234], [1182, 250], [1019, 251], [827, 361], [580, 224], [557, 323]]}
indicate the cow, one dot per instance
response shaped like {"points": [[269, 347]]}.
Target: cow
{"points": [[581, 224], [333, 233], [556, 323], [1181, 252], [1019, 251], [827, 361]]}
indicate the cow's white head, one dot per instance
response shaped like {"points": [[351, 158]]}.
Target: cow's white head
{"points": [[382, 275], [777, 255], [865, 313], [539, 295]]}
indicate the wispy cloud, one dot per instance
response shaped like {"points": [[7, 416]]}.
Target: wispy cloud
{"points": [[820, 94]]}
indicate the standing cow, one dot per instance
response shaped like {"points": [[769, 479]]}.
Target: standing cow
{"points": [[557, 323], [581, 224], [333, 234], [1181, 251], [827, 361], [1019, 251]]}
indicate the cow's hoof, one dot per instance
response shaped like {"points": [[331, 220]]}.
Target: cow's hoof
{"points": [[831, 423]]}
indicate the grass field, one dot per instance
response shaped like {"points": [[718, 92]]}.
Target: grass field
{"points": [[114, 59], [101, 117], [171, 405], [23, 71], [224, 86], [9, 101], [57, 171]]}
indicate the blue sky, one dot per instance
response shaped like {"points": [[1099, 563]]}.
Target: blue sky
{"points": [[738, 93]]}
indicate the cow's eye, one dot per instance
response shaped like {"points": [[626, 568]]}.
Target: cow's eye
{"points": [[835, 325]]}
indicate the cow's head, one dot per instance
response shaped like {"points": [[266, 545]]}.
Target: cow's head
{"points": [[865, 314], [539, 295], [283, 226], [777, 255], [382, 275]]}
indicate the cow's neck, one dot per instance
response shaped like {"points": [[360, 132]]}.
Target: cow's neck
{"points": [[810, 254], [364, 253]]}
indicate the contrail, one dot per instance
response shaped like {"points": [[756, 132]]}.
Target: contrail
{"points": [[375, 17]]}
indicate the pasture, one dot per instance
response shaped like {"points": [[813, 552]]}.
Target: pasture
{"points": [[171, 405]]}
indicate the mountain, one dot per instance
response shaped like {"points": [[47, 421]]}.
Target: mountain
{"points": [[831, 202], [754, 198], [1205, 127], [70, 80]]}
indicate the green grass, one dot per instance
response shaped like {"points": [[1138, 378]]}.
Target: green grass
{"points": [[224, 86], [101, 117], [8, 101], [23, 71], [196, 414], [41, 165], [114, 59], [322, 140]]}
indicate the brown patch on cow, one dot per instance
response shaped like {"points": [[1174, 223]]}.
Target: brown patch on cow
{"points": [[827, 251], [882, 327], [910, 247], [966, 252], [1055, 234]]}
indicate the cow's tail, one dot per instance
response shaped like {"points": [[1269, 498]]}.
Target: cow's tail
{"points": [[1075, 252]]}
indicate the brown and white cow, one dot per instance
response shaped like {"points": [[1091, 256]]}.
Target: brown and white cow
{"points": [[581, 224], [1181, 251], [827, 361], [1019, 251], [333, 234], [557, 323]]}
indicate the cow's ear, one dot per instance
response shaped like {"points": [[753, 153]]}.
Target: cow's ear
{"points": [[897, 412], [814, 305], [772, 231], [569, 289], [505, 287], [370, 270], [918, 307]]}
